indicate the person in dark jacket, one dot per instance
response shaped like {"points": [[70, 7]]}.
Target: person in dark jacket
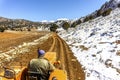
{"points": [[41, 65]]}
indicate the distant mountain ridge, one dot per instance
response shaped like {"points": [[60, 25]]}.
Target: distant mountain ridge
{"points": [[18, 24], [104, 11], [3, 19], [111, 4]]}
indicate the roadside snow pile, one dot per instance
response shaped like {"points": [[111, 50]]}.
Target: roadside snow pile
{"points": [[96, 44]]}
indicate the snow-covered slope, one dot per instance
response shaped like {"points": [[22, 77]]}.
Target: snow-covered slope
{"points": [[96, 44]]}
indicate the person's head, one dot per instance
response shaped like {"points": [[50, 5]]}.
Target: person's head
{"points": [[41, 53]]}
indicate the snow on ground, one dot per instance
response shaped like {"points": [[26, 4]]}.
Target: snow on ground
{"points": [[96, 44]]}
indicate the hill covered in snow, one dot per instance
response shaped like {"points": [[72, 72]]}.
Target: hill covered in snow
{"points": [[96, 44]]}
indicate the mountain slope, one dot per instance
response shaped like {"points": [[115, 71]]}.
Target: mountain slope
{"points": [[96, 44]]}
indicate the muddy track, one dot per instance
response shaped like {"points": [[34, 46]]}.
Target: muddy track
{"points": [[68, 61]]}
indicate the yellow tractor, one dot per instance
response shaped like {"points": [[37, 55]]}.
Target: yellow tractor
{"points": [[21, 73]]}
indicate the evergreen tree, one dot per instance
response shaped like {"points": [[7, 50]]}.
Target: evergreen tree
{"points": [[107, 12], [53, 27], [2, 29], [66, 25], [119, 5]]}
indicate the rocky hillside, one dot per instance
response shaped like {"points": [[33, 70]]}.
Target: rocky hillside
{"points": [[19, 24], [103, 11], [111, 4], [96, 44]]}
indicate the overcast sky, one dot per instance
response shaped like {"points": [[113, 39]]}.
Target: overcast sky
{"points": [[38, 10]]}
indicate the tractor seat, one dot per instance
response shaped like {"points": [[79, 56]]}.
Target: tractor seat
{"points": [[34, 75]]}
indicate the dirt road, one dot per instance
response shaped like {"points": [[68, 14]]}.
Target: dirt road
{"points": [[52, 42], [69, 62]]}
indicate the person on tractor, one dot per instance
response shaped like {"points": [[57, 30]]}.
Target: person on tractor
{"points": [[41, 65]]}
